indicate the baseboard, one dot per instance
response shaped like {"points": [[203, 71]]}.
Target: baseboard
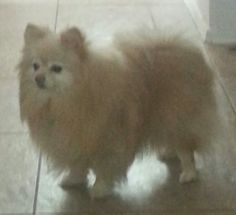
{"points": [[224, 38]]}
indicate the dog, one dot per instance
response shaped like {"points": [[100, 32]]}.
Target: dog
{"points": [[96, 108]]}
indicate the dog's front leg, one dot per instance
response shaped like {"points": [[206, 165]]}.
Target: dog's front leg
{"points": [[77, 175]]}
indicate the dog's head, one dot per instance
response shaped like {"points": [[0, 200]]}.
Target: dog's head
{"points": [[50, 60]]}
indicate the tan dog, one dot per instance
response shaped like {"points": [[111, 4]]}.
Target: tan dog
{"points": [[89, 108]]}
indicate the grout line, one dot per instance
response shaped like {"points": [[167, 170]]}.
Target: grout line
{"points": [[220, 80], [57, 12], [227, 94], [152, 18], [37, 184], [194, 23]]}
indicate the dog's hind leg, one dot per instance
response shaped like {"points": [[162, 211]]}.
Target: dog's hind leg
{"points": [[186, 156]]}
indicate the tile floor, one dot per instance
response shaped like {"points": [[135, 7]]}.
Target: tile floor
{"points": [[26, 185]]}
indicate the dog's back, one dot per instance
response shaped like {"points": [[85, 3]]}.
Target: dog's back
{"points": [[178, 80]]}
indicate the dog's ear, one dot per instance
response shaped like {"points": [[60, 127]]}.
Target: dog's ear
{"points": [[73, 39], [34, 33]]}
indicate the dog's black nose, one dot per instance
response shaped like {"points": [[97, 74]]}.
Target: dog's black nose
{"points": [[40, 81]]}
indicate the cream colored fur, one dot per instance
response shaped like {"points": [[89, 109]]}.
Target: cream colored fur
{"points": [[105, 106]]}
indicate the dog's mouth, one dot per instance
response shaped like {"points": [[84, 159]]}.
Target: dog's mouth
{"points": [[40, 82], [41, 86]]}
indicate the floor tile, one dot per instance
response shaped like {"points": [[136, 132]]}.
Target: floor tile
{"points": [[100, 22], [18, 169], [224, 61], [121, 2], [26, 1], [9, 107], [59, 200], [174, 19], [13, 19]]}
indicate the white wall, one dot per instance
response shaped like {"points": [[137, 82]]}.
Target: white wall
{"points": [[216, 19], [222, 21]]}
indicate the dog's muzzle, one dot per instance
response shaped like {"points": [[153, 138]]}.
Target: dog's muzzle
{"points": [[40, 81]]}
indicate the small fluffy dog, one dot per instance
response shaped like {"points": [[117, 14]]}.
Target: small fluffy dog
{"points": [[95, 108]]}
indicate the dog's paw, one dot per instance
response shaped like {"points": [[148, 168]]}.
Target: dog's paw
{"points": [[188, 176], [69, 182]]}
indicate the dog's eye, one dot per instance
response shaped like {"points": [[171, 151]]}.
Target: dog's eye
{"points": [[56, 68], [36, 66]]}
